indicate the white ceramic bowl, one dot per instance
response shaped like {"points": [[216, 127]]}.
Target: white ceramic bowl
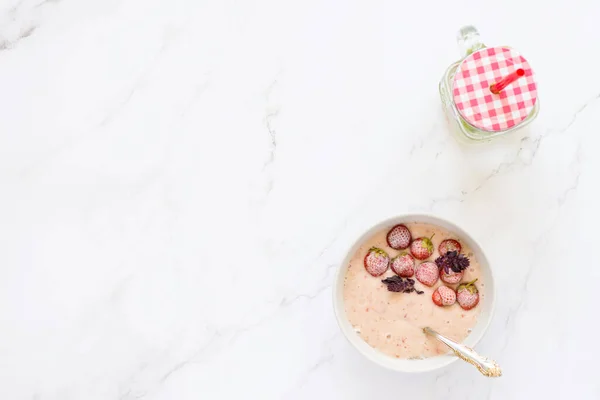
{"points": [[427, 364]]}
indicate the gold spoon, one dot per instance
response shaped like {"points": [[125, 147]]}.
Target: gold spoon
{"points": [[486, 366]]}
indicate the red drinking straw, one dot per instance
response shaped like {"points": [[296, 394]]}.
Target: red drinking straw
{"points": [[507, 80]]}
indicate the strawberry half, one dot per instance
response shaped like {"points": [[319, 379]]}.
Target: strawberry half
{"points": [[467, 295], [449, 245], [444, 296], [421, 248], [451, 277], [403, 265], [427, 273], [399, 237], [376, 261]]}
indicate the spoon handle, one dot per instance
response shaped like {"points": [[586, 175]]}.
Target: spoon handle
{"points": [[486, 366]]}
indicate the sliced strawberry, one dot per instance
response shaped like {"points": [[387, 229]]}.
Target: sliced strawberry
{"points": [[467, 295], [449, 245], [421, 248], [444, 296], [404, 265], [399, 237], [451, 277], [376, 261], [427, 273], [437, 299]]}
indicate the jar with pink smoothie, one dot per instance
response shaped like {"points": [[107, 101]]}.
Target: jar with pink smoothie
{"points": [[489, 92]]}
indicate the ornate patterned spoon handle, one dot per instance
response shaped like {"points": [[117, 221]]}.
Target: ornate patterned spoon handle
{"points": [[486, 366]]}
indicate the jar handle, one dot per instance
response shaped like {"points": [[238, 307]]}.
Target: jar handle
{"points": [[468, 40]]}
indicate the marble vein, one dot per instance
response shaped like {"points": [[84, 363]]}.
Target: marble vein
{"points": [[326, 357], [73, 140], [538, 246], [289, 300], [230, 334], [579, 111], [422, 141], [271, 112], [16, 15], [194, 357], [121, 104], [6, 44], [45, 2], [576, 166]]}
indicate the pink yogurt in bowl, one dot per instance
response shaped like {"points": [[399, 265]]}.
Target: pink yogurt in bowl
{"points": [[386, 327]]}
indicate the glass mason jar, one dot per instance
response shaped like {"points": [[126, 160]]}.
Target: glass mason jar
{"points": [[469, 41]]}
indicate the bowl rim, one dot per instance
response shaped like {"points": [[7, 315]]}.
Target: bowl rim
{"points": [[404, 365]]}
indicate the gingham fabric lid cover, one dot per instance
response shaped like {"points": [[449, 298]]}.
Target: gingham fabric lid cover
{"points": [[478, 105]]}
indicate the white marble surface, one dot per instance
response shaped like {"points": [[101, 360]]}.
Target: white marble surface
{"points": [[180, 179]]}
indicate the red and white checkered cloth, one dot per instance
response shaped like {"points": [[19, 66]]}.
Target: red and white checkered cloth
{"points": [[478, 105]]}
